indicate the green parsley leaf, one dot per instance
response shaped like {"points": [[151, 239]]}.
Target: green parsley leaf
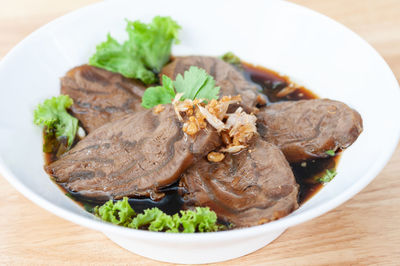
{"points": [[52, 114], [195, 83], [159, 95], [232, 59], [330, 152], [329, 175], [153, 41], [189, 221], [121, 58], [147, 49]]}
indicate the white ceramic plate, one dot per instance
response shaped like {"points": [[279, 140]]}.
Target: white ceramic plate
{"points": [[312, 49]]}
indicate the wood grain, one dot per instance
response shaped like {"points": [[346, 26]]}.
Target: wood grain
{"points": [[364, 230]]}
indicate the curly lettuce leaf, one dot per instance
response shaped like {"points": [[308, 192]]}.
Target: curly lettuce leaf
{"points": [[121, 58], [154, 41], [160, 94], [201, 220], [190, 221], [195, 83], [53, 115], [119, 212], [147, 49], [156, 220]]}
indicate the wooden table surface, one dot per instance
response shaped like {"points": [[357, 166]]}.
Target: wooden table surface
{"points": [[364, 230]]}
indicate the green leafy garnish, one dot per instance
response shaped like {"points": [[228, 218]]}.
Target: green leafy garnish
{"points": [[195, 83], [156, 220], [147, 49], [231, 58], [121, 58], [330, 152], [50, 141], [153, 41], [160, 94], [119, 212], [53, 115], [329, 175], [189, 221], [202, 220], [88, 207]]}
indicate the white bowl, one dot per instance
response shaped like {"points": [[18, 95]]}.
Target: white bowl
{"points": [[312, 49]]}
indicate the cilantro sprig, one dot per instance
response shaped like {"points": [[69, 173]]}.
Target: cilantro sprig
{"points": [[328, 176], [195, 83], [330, 152], [159, 94], [232, 59]]}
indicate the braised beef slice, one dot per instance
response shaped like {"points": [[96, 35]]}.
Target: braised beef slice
{"points": [[306, 129], [249, 188], [134, 156], [100, 96], [227, 77]]}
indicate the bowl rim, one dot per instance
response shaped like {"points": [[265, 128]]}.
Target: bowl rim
{"points": [[279, 224]]}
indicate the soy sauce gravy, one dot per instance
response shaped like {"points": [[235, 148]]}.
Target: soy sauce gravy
{"points": [[278, 88], [275, 88]]}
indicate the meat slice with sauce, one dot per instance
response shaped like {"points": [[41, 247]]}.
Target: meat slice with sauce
{"points": [[227, 77], [100, 96], [251, 187], [134, 156], [306, 129]]}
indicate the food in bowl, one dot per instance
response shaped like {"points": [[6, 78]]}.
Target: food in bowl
{"points": [[188, 143]]}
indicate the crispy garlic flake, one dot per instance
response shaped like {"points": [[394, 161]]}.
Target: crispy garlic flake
{"points": [[158, 109], [236, 129]]}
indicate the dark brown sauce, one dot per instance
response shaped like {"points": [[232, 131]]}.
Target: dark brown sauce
{"points": [[271, 85]]}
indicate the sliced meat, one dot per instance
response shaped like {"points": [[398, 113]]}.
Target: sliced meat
{"points": [[100, 96], [133, 156], [231, 81], [248, 188], [306, 129]]}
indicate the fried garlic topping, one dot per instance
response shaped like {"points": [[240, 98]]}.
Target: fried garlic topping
{"points": [[236, 129], [158, 109], [215, 157]]}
